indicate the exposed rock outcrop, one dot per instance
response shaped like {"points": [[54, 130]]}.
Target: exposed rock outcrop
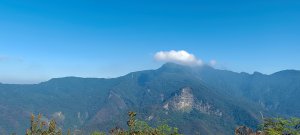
{"points": [[185, 101], [243, 130]]}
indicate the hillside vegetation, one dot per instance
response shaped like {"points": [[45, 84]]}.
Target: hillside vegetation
{"points": [[270, 126], [194, 99], [135, 127]]}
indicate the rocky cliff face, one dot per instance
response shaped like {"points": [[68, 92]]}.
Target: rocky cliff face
{"points": [[185, 101]]}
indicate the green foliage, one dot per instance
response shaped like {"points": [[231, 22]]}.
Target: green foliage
{"points": [[98, 133], [38, 127], [281, 126], [270, 126], [137, 127]]}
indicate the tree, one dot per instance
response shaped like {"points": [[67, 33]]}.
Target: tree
{"points": [[281, 126], [38, 127], [137, 127], [98, 133]]}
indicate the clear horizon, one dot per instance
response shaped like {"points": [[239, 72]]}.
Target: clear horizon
{"points": [[37, 82], [105, 39]]}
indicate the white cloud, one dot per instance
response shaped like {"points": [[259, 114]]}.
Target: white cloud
{"points": [[212, 62], [179, 57]]}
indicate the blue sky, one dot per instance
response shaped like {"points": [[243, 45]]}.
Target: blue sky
{"points": [[54, 38]]}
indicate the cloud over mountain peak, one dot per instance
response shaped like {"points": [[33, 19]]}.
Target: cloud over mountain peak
{"points": [[180, 57]]}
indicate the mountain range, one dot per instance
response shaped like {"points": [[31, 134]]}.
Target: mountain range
{"points": [[197, 100]]}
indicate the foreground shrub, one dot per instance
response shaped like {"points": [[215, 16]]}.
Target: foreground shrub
{"points": [[273, 126], [135, 127], [38, 127], [281, 126]]}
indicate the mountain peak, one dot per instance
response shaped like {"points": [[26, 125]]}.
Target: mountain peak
{"points": [[257, 73], [172, 65], [287, 73], [178, 67], [64, 79]]}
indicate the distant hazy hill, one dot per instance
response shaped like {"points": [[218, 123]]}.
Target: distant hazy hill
{"points": [[194, 99]]}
